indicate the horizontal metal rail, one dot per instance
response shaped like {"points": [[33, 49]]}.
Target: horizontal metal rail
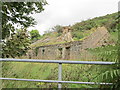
{"points": [[55, 81], [57, 61]]}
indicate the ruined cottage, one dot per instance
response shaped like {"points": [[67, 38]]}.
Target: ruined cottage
{"points": [[72, 49]]}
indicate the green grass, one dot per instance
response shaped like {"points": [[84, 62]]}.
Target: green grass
{"points": [[81, 34], [114, 36], [73, 72], [28, 71], [44, 44], [83, 73], [83, 29], [46, 72]]}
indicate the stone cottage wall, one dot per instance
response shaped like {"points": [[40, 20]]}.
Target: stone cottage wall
{"points": [[66, 51], [73, 50]]}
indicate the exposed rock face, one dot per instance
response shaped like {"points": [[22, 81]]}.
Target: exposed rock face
{"points": [[71, 50], [66, 36]]}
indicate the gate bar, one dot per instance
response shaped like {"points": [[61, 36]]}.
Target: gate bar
{"points": [[55, 81], [57, 61]]}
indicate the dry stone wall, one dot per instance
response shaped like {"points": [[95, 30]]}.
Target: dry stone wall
{"points": [[71, 50]]}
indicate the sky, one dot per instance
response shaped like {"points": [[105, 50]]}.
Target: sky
{"points": [[69, 12]]}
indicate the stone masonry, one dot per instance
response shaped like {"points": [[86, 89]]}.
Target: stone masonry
{"points": [[70, 50]]}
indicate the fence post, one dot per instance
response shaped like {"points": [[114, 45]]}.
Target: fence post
{"points": [[60, 75]]}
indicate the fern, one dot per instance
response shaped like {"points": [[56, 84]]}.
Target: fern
{"points": [[112, 73]]}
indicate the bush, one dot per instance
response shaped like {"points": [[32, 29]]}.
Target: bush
{"points": [[77, 35]]}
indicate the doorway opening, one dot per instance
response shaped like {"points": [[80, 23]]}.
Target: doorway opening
{"points": [[67, 53], [60, 53]]}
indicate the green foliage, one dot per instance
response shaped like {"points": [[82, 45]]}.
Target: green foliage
{"points": [[111, 73], [43, 44], [45, 71], [109, 21], [85, 73], [16, 45], [16, 42], [77, 35], [84, 25], [107, 53], [48, 32], [34, 34], [57, 29], [114, 36], [83, 29], [18, 13], [81, 35], [26, 70]]}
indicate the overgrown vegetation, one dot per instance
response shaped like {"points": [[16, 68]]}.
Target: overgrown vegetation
{"points": [[15, 43], [19, 13], [109, 21], [34, 35], [110, 53], [58, 29], [84, 73], [82, 29], [111, 74]]}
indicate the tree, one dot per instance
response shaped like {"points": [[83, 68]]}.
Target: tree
{"points": [[17, 44], [19, 13], [57, 29], [34, 34]]}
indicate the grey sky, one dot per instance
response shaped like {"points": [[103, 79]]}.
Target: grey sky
{"points": [[68, 12]]}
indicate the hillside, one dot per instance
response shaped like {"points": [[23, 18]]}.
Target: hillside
{"points": [[101, 28], [79, 31], [71, 42]]}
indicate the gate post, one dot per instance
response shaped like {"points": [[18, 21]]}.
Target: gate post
{"points": [[60, 75]]}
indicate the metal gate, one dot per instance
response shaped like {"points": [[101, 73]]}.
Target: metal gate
{"points": [[59, 62]]}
